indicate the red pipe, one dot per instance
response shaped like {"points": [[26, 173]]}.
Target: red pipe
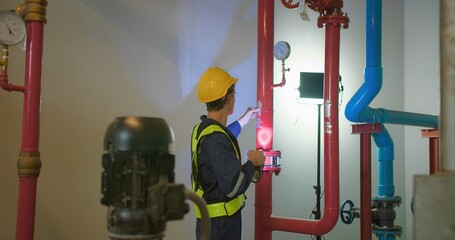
{"points": [[29, 164], [264, 135], [331, 149], [5, 85], [32, 98], [26, 208], [265, 74], [265, 222], [434, 155], [365, 187], [365, 131], [433, 136]]}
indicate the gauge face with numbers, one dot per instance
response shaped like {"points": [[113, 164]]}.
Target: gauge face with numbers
{"points": [[12, 28], [281, 50]]}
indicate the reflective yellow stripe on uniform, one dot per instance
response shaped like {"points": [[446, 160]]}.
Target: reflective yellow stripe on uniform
{"points": [[222, 208]]}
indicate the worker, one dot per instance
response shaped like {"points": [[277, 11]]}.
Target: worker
{"points": [[218, 175]]}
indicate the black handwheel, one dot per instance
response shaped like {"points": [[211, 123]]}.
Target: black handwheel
{"points": [[347, 215]]}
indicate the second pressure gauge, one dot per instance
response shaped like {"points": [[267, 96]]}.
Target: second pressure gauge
{"points": [[12, 28], [281, 50]]}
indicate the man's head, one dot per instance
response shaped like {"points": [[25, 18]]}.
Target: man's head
{"points": [[216, 88]]}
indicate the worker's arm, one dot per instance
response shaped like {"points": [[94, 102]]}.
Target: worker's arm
{"points": [[236, 127], [232, 178]]}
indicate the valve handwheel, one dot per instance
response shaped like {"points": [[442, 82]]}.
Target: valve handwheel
{"points": [[289, 4], [347, 215]]}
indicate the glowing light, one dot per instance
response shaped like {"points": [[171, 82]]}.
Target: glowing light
{"points": [[264, 137]]}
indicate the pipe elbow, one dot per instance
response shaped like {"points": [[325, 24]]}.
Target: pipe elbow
{"points": [[328, 222], [385, 146], [358, 104], [5, 85]]}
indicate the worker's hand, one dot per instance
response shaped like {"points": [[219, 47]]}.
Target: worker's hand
{"points": [[257, 157], [250, 113]]}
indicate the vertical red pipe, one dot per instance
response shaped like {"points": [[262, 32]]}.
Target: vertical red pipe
{"points": [[32, 98], [434, 155], [263, 194], [365, 186], [365, 131], [30, 130], [331, 156], [433, 136]]}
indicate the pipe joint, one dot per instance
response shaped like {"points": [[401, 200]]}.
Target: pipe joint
{"points": [[272, 161], [339, 20], [33, 10], [29, 164]]}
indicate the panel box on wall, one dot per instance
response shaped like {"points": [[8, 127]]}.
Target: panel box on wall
{"points": [[312, 85]]}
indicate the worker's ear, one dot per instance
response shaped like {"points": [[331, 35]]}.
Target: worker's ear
{"points": [[230, 98]]}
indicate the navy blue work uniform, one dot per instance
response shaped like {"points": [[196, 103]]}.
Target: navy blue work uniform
{"points": [[220, 176]]}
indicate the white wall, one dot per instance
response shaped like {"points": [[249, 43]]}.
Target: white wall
{"points": [[104, 59], [422, 87]]}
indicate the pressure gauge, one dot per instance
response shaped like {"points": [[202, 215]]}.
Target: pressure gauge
{"points": [[282, 50], [12, 28]]}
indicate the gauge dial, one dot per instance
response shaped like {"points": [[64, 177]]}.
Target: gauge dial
{"points": [[12, 28], [282, 50]]}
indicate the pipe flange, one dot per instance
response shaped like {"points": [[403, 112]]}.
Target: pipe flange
{"points": [[387, 231], [395, 200]]}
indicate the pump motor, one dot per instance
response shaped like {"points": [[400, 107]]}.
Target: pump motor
{"points": [[138, 179]]}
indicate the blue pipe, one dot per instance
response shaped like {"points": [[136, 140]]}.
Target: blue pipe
{"points": [[357, 109], [385, 156]]}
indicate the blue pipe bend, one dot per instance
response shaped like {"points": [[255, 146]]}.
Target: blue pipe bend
{"points": [[357, 109]]}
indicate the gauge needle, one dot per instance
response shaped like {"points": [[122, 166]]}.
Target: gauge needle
{"points": [[9, 29]]}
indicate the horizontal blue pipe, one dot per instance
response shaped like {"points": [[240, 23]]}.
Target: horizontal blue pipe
{"points": [[398, 117], [406, 118]]}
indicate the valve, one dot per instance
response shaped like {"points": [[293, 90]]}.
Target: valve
{"points": [[383, 216], [290, 4], [347, 215]]}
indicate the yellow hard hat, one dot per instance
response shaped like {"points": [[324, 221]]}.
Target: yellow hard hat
{"points": [[214, 84]]}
